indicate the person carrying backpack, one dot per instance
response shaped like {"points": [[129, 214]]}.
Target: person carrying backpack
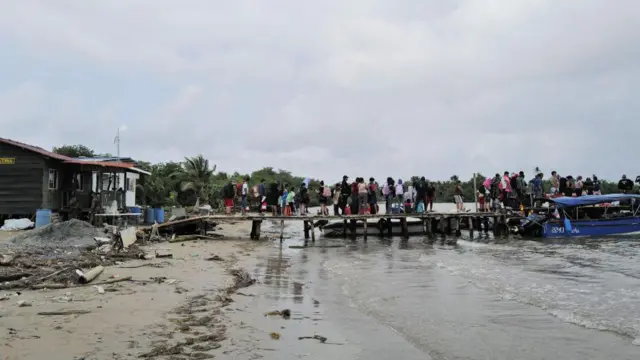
{"points": [[228, 193], [372, 196], [324, 195]]}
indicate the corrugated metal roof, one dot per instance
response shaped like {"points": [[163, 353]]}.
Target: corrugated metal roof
{"points": [[35, 149], [66, 159]]}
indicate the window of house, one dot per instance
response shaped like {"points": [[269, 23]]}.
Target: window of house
{"points": [[129, 184], [79, 182], [110, 182], [53, 179]]}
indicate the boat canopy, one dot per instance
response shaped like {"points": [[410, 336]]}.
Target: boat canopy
{"points": [[591, 199]]}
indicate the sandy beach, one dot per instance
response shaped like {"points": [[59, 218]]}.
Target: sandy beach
{"points": [[182, 300]]}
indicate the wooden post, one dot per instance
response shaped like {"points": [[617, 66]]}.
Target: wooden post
{"points": [[389, 227], [405, 227], [252, 236], [471, 219], [430, 227], [353, 226], [381, 224], [496, 230], [313, 232], [281, 230], [305, 224], [258, 226], [449, 223], [442, 225], [485, 224], [364, 224], [458, 220], [344, 228], [424, 226], [505, 226]]}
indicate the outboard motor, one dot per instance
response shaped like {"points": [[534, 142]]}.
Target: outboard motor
{"points": [[532, 225]]}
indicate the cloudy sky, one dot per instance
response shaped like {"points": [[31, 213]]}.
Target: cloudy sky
{"points": [[327, 88]]}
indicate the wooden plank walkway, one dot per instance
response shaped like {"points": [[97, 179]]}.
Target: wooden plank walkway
{"points": [[430, 215], [444, 223]]}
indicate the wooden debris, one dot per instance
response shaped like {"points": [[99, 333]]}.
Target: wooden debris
{"points": [[14, 277], [64, 312], [322, 339], [87, 277]]}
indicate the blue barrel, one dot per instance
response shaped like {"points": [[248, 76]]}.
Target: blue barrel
{"points": [[159, 215], [135, 210], [43, 217], [149, 216]]}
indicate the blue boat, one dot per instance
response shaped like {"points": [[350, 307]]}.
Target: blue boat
{"points": [[578, 217]]}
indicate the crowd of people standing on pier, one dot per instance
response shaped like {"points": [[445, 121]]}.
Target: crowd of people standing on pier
{"points": [[360, 196]]}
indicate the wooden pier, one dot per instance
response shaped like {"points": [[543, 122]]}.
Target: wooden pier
{"points": [[431, 223]]}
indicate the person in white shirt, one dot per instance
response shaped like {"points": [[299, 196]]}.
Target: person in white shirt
{"points": [[245, 192]]}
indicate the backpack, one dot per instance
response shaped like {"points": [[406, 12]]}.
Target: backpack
{"points": [[372, 189], [326, 192]]}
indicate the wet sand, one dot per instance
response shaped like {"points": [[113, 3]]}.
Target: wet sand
{"points": [[185, 307]]}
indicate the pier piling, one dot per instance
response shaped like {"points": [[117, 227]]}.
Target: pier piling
{"points": [[364, 225]]}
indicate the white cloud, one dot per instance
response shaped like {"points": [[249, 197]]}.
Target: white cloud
{"points": [[324, 88]]}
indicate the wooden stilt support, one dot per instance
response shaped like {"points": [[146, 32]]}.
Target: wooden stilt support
{"points": [[405, 227], [344, 228], [442, 224], [258, 228], [450, 225], [458, 220], [505, 226], [281, 230], [313, 232], [389, 227], [353, 226], [252, 236], [485, 224], [496, 226], [471, 221], [364, 225], [306, 229], [430, 227], [424, 226]]}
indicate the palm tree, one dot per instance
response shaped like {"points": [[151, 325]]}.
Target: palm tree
{"points": [[196, 175], [454, 178], [153, 190]]}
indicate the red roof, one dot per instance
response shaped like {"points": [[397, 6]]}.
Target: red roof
{"points": [[65, 159]]}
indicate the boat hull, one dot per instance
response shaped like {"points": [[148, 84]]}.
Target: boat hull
{"points": [[589, 228]]}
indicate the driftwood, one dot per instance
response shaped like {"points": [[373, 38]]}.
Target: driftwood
{"points": [[64, 312], [322, 339], [52, 274], [14, 277], [113, 281], [315, 246], [182, 238], [87, 277], [49, 286], [64, 286]]}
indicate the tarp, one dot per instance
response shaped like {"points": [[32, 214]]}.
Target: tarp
{"points": [[591, 199], [16, 224]]}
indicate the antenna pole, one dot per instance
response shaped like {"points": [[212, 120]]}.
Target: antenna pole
{"points": [[118, 144]]}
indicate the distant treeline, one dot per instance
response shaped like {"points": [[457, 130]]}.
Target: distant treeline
{"points": [[182, 183]]}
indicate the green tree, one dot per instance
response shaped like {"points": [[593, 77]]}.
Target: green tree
{"points": [[74, 151], [196, 175]]}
